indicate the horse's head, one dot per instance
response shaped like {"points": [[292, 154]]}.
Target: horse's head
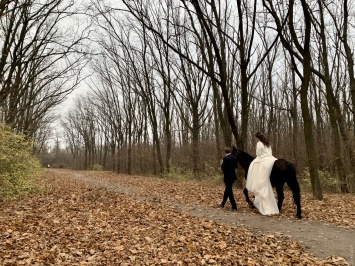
{"points": [[235, 152], [239, 155], [242, 157]]}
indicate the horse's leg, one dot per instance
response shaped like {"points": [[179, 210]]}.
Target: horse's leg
{"points": [[295, 188], [280, 195], [245, 191]]}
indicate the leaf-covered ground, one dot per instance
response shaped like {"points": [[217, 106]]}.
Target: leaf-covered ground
{"points": [[73, 223], [338, 209]]}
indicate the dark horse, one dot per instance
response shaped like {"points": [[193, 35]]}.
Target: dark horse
{"points": [[282, 172]]}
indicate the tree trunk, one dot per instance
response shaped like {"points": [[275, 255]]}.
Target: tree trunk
{"points": [[332, 103], [308, 125]]}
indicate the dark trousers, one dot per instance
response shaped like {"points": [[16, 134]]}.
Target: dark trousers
{"points": [[228, 193]]}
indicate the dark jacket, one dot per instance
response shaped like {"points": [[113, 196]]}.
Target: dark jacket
{"points": [[228, 167]]}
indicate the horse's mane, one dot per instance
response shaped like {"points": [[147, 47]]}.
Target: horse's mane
{"points": [[246, 156]]}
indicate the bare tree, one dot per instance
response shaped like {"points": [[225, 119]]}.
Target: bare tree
{"points": [[38, 67], [107, 101], [194, 93], [349, 57], [301, 52], [213, 27], [336, 106], [336, 121]]}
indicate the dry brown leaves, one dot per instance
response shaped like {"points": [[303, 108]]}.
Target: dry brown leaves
{"points": [[338, 209], [77, 224]]}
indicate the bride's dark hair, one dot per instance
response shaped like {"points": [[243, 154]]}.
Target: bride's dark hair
{"points": [[263, 138]]}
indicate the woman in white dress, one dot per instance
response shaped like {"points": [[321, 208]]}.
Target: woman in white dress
{"points": [[258, 178]]}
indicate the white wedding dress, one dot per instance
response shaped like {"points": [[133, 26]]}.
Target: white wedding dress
{"points": [[258, 180]]}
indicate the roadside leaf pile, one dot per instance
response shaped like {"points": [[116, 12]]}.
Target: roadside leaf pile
{"points": [[73, 223]]}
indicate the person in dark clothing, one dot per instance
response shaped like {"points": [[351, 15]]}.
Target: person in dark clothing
{"points": [[228, 167]]}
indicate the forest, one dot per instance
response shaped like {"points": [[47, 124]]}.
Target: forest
{"points": [[161, 87]]}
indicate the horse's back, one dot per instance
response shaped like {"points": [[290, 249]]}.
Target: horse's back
{"points": [[282, 172], [281, 165]]}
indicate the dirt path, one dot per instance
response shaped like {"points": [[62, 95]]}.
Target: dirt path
{"points": [[322, 240]]}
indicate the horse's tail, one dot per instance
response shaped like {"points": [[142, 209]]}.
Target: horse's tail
{"points": [[294, 186]]}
